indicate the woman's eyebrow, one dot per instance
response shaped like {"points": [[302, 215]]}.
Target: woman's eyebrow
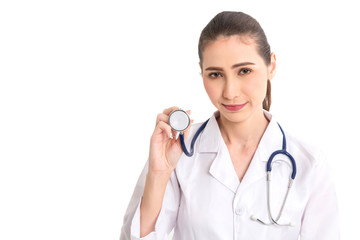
{"points": [[234, 66]]}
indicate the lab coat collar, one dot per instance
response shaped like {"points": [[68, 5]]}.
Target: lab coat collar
{"points": [[210, 138], [222, 168]]}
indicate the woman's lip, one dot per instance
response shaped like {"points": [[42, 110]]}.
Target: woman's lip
{"points": [[236, 107]]}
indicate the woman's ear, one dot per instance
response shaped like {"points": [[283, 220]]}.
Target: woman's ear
{"points": [[200, 68], [272, 67]]}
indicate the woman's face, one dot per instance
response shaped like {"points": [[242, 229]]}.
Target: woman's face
{"points": [[235, 74]]}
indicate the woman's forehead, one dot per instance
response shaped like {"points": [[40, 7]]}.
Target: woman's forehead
{"points": [[230, 50]]}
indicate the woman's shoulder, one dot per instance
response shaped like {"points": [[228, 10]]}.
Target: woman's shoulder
{"points": [[193, 129], [307, 151]]}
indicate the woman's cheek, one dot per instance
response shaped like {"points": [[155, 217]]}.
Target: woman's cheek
{"points": [[255, 87], [213, 91]]}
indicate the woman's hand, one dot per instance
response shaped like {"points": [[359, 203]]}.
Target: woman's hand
{"points": [[165, 150]]}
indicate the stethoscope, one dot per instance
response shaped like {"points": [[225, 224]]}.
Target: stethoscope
{"points": [[179, 121]]}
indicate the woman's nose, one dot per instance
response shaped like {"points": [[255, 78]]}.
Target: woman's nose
{"points": [[231, 88]]}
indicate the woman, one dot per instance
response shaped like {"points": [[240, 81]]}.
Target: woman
{"points": [[221, 192]]}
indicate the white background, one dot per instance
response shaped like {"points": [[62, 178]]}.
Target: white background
{"points": [[81, 83]]}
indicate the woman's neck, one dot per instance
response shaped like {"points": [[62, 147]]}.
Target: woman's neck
{"points": [[243, 134]]}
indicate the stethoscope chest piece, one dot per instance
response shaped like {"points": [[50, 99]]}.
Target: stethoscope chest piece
{"points": [[179, 120]]}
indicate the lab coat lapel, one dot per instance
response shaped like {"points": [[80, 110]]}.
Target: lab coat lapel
{"points": [[270, 142], [221, 168]]}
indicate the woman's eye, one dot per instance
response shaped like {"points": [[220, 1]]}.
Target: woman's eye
{"points": [[245, 71], [215, 75]]}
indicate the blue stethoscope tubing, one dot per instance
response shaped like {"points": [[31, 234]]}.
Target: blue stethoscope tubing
{"points": [[283, 151], [182, 140]]}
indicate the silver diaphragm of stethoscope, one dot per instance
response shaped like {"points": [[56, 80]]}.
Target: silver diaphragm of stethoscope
{"points": [[179, 120]]}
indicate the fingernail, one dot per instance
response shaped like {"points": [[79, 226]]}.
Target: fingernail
{"points": [[171, 136], [177, 135]]}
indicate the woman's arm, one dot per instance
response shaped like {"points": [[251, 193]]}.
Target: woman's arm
{"points": [[321, 217], [152, 200], [165, 219], [158, 193]]}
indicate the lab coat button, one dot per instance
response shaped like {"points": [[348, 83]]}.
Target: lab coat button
{"points": [[239, 211]]}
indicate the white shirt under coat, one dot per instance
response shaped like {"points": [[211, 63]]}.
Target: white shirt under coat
{"points": [[204, 199]]}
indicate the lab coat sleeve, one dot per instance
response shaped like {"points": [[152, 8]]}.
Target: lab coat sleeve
{"points": [[320, 220], [167, 216]]}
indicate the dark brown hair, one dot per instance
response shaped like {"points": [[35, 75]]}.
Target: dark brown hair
{"points": [[238, 23]]}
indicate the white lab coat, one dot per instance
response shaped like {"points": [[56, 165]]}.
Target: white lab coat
{"points": [[204, 198]]}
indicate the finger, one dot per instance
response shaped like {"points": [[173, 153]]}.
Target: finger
{"points": [[162, 117], [163, 127], [174, 133], [169, 110]]}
